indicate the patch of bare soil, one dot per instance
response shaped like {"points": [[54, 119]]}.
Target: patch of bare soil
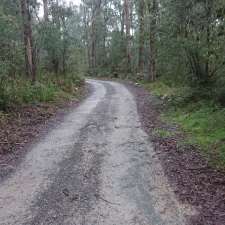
{"points": [[23, 126], [195, 182]]}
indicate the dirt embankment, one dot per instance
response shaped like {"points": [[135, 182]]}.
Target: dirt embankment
{"points": [[193, 179]]}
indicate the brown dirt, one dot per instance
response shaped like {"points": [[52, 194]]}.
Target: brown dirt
{"points": [[194, 181], [25, 125]]}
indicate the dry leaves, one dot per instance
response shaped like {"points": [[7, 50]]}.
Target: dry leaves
{"points": [[193, 179]]}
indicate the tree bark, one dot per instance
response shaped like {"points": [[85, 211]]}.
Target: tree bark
{"points": [[93, 44], [122, 23], [28, 40], [208, 37], [141, 38], [128, 29], [86, 20], [45, 6], [153, 26], [95, 12]]}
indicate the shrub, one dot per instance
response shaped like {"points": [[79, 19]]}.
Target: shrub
{"points": [[47, 89]]}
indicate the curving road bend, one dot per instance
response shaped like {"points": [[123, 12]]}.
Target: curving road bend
{"points": [[97, 167]]}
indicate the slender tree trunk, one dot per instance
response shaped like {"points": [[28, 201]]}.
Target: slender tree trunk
{"points": [[64, 61], [122, 22], [153, 25], [141, 38], [95, 13], [86, 20], [93, 44], [106, 18], [128, 30], [208, 36], [45, 6], [28, 41]]}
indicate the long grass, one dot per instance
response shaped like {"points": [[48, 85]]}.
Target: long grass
{"points": [[48, 88], [201, 119]]}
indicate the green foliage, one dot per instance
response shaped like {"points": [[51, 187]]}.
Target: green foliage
{"points": [[58, 52], [46, 89], [117, 53], [191, 44], [11, 54], [204, 125], [162, 133], [198, 116], [160, 89], [39, 92]]}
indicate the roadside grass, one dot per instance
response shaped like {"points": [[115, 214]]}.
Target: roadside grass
{"points": [[205, 128], [202, 121], [163, 133], [26, 107], [159, 88], [48, 88]]}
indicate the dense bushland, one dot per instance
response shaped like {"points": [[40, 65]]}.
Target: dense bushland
{"points": [[41, 57], [200, 118], [176, 47], [21, 91], [180, 41]]}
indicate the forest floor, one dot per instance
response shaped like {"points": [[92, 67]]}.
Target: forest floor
{"points": [[22, 126], [194, 179]]}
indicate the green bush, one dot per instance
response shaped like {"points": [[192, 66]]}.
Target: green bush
{"points": [[47, 89], [37, 93]]}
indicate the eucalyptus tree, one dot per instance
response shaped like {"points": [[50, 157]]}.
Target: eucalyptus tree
{"points": [[127, 18], [11, 54], [28, 38], [153, 8], [141, 34]]}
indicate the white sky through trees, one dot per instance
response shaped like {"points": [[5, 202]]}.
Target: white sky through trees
{"points": [[76, 2]]}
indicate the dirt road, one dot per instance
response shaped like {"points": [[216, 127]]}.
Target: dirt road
{"points": [[96, 167]]}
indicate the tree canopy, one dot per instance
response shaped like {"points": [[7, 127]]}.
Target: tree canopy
{"points": [[182, 41]]}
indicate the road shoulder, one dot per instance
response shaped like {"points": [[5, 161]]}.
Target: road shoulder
{"points": [[194, 181], [27, 125]]}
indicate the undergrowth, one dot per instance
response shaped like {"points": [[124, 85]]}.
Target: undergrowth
{"points": [[201, 119], [48, 88]]}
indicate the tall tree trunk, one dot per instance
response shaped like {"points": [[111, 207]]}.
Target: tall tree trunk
{"points": [[106, 18], [122, 22], [128, 30], [45, 6], [28, 41], [93, 44], [153, 11], [208, 6], [95, 13], [141, 37], [86, 19]]}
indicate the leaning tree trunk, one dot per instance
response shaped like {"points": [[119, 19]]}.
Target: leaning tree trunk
{"points": [[28, 42]]}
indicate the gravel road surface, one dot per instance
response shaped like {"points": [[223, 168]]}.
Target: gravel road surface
{"points": [[97, 167]]}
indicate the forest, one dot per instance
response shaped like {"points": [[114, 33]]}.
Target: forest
{"points": [[112, 112], [174, 48]]}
